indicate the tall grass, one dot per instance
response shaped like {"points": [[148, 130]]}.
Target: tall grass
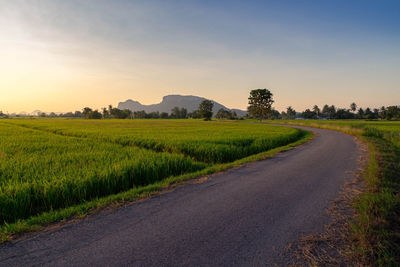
{"points": [[41, 171], [53, 164], [209, 142]]}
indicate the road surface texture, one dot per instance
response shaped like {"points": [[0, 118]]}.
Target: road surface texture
{"points": [[244, 216]]}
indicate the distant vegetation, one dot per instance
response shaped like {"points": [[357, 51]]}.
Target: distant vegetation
{"points": [[2, 115], [204, 111], [331, 112], [259, 107], [226, 114]]}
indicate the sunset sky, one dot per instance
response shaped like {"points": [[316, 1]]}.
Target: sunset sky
{"points": [[64, 55]]}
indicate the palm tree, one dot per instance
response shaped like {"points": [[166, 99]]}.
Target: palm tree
{"points": [[353, 107], [316, 110], [105, 113]]}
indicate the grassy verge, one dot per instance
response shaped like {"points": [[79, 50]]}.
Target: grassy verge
{"points": [[376, 228], [9, 231]]}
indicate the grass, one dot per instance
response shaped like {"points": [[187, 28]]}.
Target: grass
{"points": [[41, 171], [376, 228], [51, 170], [210, 142]]}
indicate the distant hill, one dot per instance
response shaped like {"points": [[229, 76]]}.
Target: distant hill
{"points": [[189, 102]]}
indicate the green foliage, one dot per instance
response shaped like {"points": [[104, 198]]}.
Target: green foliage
{"points": [[308, 114], [194, 115], [179, 113], [353, 107], [205, 109], [88, 113], [393, 113], [260, 103], [290, 114], [120, 114], [226, 114], [51, 164]]}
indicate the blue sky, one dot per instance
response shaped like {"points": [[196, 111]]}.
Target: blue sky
{"points": [[64, 55]]}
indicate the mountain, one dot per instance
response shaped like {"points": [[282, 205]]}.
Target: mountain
{"points": [[168, 102]]}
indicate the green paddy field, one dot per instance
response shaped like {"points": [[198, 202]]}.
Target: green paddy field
{"points": [[51, 164]]}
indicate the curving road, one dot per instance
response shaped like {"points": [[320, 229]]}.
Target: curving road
{"points": [[245, 216]]}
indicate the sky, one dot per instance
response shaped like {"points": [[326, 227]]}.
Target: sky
{"points": [[65, 55]]}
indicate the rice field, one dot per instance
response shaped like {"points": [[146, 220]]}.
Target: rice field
{"points": [[50, 164], [210, 142]]}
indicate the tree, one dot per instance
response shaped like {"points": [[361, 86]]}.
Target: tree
{"points": [[260, 103], [222, 114], [325, 110], [382, 113], [316, 110], [164, 115], [205, 109], [308, 114], [234, 116], [353, 107], [343, 114], [105, 113], [194, 115], [118, 113], [67, 115], [274, 115], [376, 113], [2, 115], [290, 113], [183, 113], [332, 112], [179, 113], [226, 114], [361, 113], [94, 115], [368, 114], [393, 112], [175, 112], [139, 114], [78, 114], [86, 111], [153, 115]]}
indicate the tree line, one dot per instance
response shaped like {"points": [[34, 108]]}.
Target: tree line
{"points": [[260, 107], [331, 112], [261, 100], [204, 111]]}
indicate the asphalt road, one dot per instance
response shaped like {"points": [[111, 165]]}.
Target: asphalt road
{"points": [[245, 216]]}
